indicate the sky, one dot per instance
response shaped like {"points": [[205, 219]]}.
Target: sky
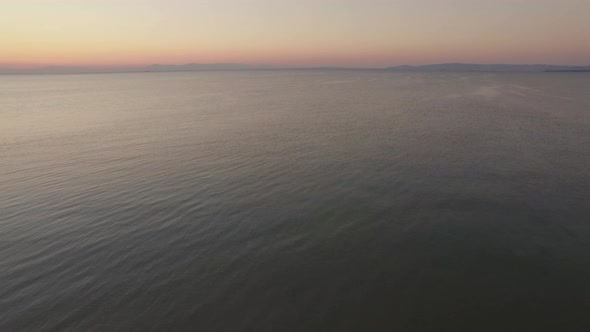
{"points": [[360, 33]]}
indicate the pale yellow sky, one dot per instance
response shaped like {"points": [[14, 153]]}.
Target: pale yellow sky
{"points": [[300, 33]]}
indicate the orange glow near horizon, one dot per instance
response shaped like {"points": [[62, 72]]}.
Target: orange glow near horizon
{"points": [[364, 33]]}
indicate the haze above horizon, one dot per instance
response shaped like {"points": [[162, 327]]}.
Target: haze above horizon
{"points": [[356, 33]]}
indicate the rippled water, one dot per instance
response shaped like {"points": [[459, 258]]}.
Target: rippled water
{"points": [[295, 201]]}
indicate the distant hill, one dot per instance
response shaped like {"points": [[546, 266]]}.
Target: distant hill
{"points": [[237, 66], [201, 66], [489, 67]]}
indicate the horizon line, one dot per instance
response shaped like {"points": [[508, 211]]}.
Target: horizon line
{"points": [[222, 66]]}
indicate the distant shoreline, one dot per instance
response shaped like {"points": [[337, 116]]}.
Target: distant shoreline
{"points": [[445, 67], [569, 71]]}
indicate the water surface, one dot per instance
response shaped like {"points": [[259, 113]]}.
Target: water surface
{"points": [[295, 201]]}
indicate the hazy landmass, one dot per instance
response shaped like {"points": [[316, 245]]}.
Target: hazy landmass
{"points": [[200, 66], [490, 67], [237, 66]]}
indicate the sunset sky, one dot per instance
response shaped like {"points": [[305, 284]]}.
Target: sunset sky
{"points": [[364, 33]]}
